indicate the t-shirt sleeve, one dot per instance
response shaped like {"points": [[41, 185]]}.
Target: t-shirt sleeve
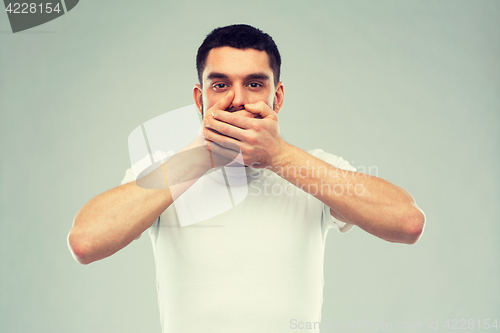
{"points": [[129, 177], [328, 220]]}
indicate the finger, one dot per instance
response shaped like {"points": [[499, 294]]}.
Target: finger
{"points": [[237, 121], [223, 103], [246, 114], [221, 140], [210, 133], [260, 108], [222, 156], [226, 130]]}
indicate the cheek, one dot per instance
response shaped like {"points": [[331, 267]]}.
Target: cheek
{"points": [[207, 101], [268, 98], [271, 101]]}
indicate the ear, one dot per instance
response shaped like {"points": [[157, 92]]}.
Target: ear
{"points": [[279, 97], [197, 96]]}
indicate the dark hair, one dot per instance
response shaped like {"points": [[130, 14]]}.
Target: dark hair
{"points": [[239, 36]]}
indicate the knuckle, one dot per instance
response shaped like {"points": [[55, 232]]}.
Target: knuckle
{"points": [[252, 140], [257, 126], [254, 125]]}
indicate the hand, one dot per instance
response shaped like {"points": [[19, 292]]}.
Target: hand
{"points": [[258, 140], [217, 160]]}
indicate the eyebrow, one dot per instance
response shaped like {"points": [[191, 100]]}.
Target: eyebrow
{"points": [[255, 76], [258, 76], [216, 75]]}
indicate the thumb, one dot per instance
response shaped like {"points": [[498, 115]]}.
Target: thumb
{"points": [[224, 102], [260, 108]]}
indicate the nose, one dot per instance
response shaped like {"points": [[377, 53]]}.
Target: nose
{"points": [[240, 98]]}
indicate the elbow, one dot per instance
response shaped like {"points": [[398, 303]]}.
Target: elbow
{"points": [[414, 226], [79, 248]]}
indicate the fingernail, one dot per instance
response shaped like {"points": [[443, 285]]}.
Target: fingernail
{"points": [[207, 125], [213, 114]]}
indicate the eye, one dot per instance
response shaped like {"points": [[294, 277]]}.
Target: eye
{"points": [[255, 85], [219, 86]]}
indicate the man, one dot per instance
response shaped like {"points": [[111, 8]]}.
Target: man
{"points": [[258, 266]]}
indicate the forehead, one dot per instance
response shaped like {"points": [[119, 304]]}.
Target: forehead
{"points": [[236, 62]]}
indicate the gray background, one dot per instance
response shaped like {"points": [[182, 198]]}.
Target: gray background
{"points": [[409, 87]]}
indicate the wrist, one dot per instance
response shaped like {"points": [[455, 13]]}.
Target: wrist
{"points": [[283, 156]]}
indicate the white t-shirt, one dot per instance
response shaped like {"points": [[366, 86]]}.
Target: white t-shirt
{"points": [[254, 268]]}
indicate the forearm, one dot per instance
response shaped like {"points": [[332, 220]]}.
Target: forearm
{"points": [[375, 205], [112, 220]]}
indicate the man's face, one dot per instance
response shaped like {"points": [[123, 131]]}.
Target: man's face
{"points": [[246, 72]]}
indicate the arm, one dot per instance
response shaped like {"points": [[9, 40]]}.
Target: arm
{"points": [[113, 219], [381, 208], [373, 204]]}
